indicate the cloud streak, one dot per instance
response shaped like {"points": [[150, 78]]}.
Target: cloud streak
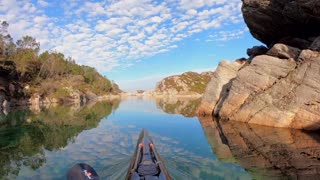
{"points": [[227, 35], [111, 34]]}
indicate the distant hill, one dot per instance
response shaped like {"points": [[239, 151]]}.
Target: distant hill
{"points": [[189, 83]]}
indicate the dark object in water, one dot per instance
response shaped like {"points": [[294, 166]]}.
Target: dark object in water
{"points": [[146, 163], [82, 171]]}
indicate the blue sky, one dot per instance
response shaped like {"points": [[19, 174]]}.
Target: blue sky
{"points": [[135, 43]]}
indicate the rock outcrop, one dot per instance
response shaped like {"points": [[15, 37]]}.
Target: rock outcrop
{"points": [[219, 84], [293, 22], [189, 83], [279, 87]]}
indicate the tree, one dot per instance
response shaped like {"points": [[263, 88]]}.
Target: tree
{"points": [[7, 46], [29, 43], [26, 56], [53, 64]]}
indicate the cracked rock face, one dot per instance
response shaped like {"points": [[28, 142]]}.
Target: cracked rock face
{"points": [[292, 22], [279, 89], [277, 92], [225, 72]]}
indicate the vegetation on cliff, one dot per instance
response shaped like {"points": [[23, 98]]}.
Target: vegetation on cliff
{"points": [[49, 74]]}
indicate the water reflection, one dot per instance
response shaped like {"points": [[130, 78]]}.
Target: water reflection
{"points": [[45, 143], [26, 135], [266, 152], [184, 106]]}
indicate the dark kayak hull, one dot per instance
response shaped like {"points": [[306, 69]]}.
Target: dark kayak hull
{"points": [[146, 162]]}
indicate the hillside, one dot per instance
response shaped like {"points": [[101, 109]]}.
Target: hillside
{"points": [[27, 77], [189, 83]]}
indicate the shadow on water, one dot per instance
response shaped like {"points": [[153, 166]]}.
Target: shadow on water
{"points": [[266, 152], [26, 134]]}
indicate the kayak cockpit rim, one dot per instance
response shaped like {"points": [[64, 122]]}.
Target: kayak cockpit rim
{"points": [[146, 161]]}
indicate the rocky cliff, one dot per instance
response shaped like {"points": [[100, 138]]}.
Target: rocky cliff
{"points": [[189, 83], [277, 86]]}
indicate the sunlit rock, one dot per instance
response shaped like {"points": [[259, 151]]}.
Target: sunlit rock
{"points": [[280, 89], [219, 85]]}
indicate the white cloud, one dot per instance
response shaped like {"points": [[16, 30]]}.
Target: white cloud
{"points": [[110, 34], [189, 4], [227, 35], [43, 3]]}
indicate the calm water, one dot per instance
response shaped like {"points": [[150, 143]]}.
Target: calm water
{"points": [[45, 143]]}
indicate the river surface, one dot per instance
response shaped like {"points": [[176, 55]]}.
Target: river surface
{"points": [[45, 143]]}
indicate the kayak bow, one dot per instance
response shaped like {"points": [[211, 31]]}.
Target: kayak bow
{"points": [[146, 162]]}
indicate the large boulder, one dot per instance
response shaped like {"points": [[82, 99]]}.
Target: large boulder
{"points": [[256, 51], [294, 22]]}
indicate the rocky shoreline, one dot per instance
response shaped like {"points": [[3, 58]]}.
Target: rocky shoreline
{"points": [[36, 100], [279, 84]]}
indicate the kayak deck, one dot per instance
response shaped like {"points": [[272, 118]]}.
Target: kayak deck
{"points": [[146, 162]]}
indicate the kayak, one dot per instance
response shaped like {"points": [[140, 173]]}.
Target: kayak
{"points": [[146, 163]]}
